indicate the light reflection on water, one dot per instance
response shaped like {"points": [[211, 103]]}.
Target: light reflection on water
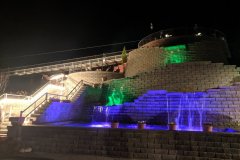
{"points": [[134, 126]]}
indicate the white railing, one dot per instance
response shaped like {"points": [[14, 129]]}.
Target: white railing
{"points": [[70, 64], [6, 96]]}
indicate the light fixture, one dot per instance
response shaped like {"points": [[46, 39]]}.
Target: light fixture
{"points": [[198, 34], [57, 76], [168, 35]]}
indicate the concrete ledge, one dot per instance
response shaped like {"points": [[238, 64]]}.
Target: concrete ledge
{"points": [[128, 143], [54, 156]]}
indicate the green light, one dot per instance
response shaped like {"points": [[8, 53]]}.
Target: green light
{"points": [[115, 98], [175, 54], [175, 58], [175, 48]]}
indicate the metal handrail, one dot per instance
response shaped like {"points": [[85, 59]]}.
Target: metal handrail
{"points": [[69, 60], [3, 96], [21, 112], [47, 97], [63, 62], [89, 83], [6, 95], [67, 97], [41, 88], [73, 80]]}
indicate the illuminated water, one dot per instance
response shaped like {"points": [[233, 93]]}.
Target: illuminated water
{"points": [[189, 110], [186, 109], [132, 126]]}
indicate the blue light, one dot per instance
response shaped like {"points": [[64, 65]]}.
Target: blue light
{"points": [[189, 110], [58, 111], [230, 130], [184, 108]]}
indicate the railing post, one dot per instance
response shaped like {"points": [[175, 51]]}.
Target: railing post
{"points": [[21, 113], [46, 98], [10, 112]]}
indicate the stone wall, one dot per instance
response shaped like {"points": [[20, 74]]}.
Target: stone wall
{"points": [[147, 59], [188, 109], [94, 76], [59, 111], [130, 143], [81, 109], [189, 76]]}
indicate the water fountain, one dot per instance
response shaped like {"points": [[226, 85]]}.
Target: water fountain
{"points": [[185, 109], [190, 111], [100, 114]]}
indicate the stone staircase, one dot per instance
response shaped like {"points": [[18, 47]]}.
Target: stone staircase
{"points": [[3, 127], [33, 117], [78, 93], [42, 105]]}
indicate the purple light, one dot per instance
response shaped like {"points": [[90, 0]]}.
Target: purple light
{"points": [[184, 108], [107, 125], [134, 126]]}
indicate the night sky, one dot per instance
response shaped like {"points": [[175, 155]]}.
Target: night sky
{"points": [[31, 28]]}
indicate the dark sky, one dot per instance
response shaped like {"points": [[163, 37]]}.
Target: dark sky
{"points": [[33, 27]]}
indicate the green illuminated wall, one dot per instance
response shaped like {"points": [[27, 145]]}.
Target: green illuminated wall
{"points": [[175, 48], [119, 91], [175, 54], [116, 97], [126, 89]]}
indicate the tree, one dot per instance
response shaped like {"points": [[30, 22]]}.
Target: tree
{"points": [[4, 77], [124, 55]]}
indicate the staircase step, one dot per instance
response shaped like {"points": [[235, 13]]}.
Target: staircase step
{"points": [[31, 119], [35, 114], [6, 123], [39, 112], [3, 136], [42, 109], [3, 126], [3, 131]]}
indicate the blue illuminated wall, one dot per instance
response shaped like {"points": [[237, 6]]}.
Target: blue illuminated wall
{"points": [[158, 107], [60, 111], [218, 106], [78, 110]]}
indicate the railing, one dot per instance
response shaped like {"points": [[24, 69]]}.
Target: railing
{"points": [[65, 64], [73, 80], [34, 105], [22, 97], [14, 96], [181, 32], [40, 89], [74, 90], [39, 102], [88, 83], [47, 97]]}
